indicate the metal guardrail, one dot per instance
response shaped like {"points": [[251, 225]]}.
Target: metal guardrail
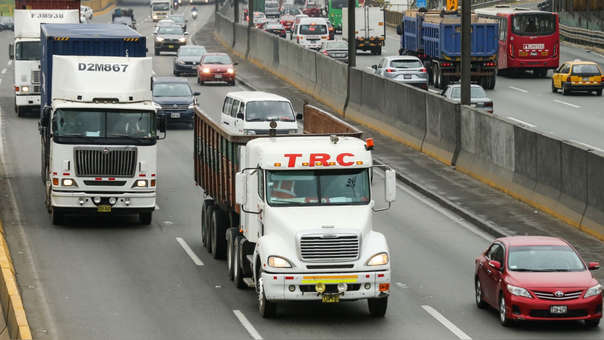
{"points": [[582, 36], [393, 18]]}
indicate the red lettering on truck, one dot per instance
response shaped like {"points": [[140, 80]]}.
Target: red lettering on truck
{"points": [[341, 161], [321, 159], [318, 157], [292, 159]]}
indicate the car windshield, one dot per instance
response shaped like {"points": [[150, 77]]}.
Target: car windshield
{"points": [[217, 60], [313, 29], [337, 45], [544, 259], [28, 50], [534, 24], [269, 110], [161, 6], [318, 187], [476, 92], [406, 63], [191, 51], [176, 30], [78, 123], [177, 19], [338, 4], [586, 70], [171, 90]]}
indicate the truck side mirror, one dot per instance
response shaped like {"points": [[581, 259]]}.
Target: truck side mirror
{"points": [[162, 125], [11, 51], [299, 116], [241, 189], [240, 115], [374, 67], [390, 192]]}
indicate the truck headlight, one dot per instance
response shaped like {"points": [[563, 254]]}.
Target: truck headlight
{"points": [[519, 291], [68, 182], [159, 39], [24, 88], [593, 291], [140, 183], [180, 62], [378, 260], [278, 262], [182, 40]]}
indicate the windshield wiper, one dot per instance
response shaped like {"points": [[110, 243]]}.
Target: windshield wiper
{"points": [[137, 139]]}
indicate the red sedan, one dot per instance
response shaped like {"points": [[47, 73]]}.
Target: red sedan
{"points": [[537, 278], [216, 67]]}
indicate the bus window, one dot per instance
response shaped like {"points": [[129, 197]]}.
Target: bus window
{"points": [[534, 24]]}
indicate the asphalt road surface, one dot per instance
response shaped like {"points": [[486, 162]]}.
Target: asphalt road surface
{"points": [[109, 278]]}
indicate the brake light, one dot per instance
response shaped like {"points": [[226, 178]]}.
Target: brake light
{"points": [[423, 70], [389, 70], [489, 104], [298, 39], [325, 52], [489, 64], [446, 64]]}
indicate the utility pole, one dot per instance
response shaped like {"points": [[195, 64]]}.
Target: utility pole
{"points": [[236, 11], [466, 47], [352, 47], [250, 14]]}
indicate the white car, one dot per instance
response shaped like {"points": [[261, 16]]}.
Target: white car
{"points": [[87, 12]]}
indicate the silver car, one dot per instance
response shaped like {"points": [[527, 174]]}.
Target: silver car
{"points": [[404, 69], [478, 97]]}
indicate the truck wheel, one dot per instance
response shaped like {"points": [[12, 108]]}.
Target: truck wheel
{"points": [[378, 51], [237, 269], [231, 234], [377, 307], [145, 217], [435, 76], [57, 216], [218, 233], [443, 81], [492, 82], [266, 308], [204, 213]]}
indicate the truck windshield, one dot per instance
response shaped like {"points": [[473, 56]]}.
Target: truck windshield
{"points": [[534, 24], [28, 50], [269, 110], [163, 6], [318, 187], [113, 126]]}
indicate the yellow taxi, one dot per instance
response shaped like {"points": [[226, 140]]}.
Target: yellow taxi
{"points": [[578, 75]]}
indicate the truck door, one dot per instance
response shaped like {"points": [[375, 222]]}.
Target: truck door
{"points": [[225, 115], [237, 123], [252, 223]]}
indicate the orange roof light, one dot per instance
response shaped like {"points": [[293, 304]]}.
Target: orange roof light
{"points": [[369, 144]]}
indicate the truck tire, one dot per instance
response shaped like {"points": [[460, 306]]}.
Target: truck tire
{"points": [[436, 76], [145, 218], [206, 228], [266, 308], [377, 307], [378, 51], [237, 269], [218, 233], [231, 234], [57, 216]]}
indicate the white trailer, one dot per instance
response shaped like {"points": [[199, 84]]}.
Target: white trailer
{"points": [[25, 51], [370, 28]]}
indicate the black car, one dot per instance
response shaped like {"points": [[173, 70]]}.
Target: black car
{"points": [[122, 12], [336, 49], [174, 99], [169, 38], [180, 20], [7, 23], [276, 29], [187, 59]]}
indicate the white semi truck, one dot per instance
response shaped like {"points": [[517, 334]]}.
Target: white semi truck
{"points": [[370, 28], [293, 214], [160, 9], [25, 52], [98, 122]]}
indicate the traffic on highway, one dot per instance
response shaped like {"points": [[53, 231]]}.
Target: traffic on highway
{"points": [[187, 192]]}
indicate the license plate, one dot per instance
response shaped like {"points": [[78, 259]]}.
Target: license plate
{"points": [[558, 309], [103, 208], [170, 46], [331, 298], [174, 115], [585, 79], [218, 76], [407, 76]]}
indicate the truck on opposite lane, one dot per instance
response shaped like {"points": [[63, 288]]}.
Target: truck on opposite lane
{"points": [[292, 214], [97, 121]]}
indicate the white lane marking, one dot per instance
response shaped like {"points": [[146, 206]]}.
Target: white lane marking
{"points": [[189, 251], [518, 89], [0, 81], [3, 70], [10, 62], [450, 215], [401, 285], [247, 324], [568, 104], [445, 322], [522, 122]]}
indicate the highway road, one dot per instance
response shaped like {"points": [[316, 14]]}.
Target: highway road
{"points": [[109, 278]]}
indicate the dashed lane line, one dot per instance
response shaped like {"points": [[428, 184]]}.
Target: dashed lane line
{"points": [[10, 62], [567, 104], [445, 322], [518, 89], [189, 251], [3, 70], [247, 324]]}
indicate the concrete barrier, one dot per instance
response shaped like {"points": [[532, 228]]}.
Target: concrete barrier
{"points": [[240, 46], [224, 29], [331, 76], [262, 48], [443, 129], [593, 219]]}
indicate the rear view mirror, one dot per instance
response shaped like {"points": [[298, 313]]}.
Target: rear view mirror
{"points": [[240, 115], [186, 33], [11, 51], [162, 124], [195, 94], [374, 67], [390, 192], [240, 188], [299, 116], [495, 264], [594, 265]]}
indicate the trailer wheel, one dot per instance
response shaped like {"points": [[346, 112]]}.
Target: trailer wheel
{"points": [[231, 234], [377, 307], [208, 228], [435, 76], [492, 81], [378, 51], [237, 269], [218, 233], [145, 218]]}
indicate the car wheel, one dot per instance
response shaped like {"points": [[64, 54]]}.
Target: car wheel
{"points": [[554, 90], [592, 323], [232, 83], [503, 315], [478, 292], [565, 90]]}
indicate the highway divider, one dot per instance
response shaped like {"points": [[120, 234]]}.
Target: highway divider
{"points": [[555, 176]]}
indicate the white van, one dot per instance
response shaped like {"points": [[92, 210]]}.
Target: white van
{"points": [[311, 32], [250, 112]]}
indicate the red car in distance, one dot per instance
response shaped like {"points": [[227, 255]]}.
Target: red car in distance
{"points": [[216, 67], [537, 278]]}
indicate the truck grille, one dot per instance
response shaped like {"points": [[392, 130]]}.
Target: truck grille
{"points": [[105, 162], [35, 77], [332, 248]]}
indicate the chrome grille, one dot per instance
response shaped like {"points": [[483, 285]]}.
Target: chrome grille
{"points": [[552, 296], [35, 77], [105, 162], [332, 248]]}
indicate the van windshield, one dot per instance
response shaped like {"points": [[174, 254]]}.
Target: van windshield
{"points": [[313, 29], [318, 187], [261, 111]]}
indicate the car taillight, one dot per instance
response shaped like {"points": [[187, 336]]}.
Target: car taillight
{"points": [[325, 52], [423, 70], [489, 64], [446, 64], [389, 70], [489, 104], [298, 39]]}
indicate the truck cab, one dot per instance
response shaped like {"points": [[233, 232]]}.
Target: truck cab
{"points": [[160, 9]]}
